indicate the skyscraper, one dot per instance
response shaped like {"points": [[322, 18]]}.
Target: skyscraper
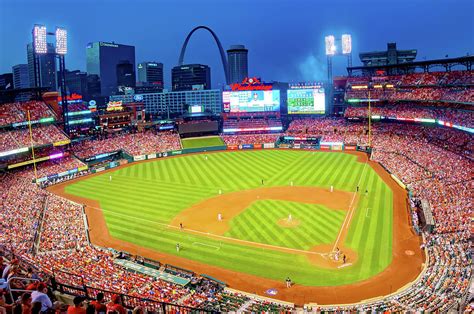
{"points": [[238, 63], [76, 82], [191, 77], [150, 73], [125, 74], [47, 67], [21, 77], [102, 60]]}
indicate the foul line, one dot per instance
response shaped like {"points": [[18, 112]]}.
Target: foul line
{"points": [[208, 245], [350, 212], [256, 244]]}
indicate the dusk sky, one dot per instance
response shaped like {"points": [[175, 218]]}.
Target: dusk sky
{"points": [[285, 38]]}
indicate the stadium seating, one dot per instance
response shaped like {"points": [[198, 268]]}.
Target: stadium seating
{"points": [[132, 143], [18, 112]]}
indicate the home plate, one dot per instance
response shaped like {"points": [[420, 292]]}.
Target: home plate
{"points": [[344, 265]]}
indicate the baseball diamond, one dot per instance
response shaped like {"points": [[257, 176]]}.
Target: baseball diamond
{"points": [[142, 207]]}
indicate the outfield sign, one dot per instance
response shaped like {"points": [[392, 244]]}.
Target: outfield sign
{"points": [[139, 158]]}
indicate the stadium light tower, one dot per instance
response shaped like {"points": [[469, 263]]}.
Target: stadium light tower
{"points": [[332, 50], [40, 47]]}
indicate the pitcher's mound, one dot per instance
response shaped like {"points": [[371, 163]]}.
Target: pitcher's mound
{"points": [[289, 223]]}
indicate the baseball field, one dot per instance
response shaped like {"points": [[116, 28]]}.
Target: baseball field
{"points": [[321, 218]]}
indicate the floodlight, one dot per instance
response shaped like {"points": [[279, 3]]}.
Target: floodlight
{"points": [[39, 39], [61, 41], [330, 45], [346, 44]]}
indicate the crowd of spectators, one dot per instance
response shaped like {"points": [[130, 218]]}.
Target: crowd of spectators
{"points": [[41, 135], [55, 166], [250, 138], [411, 111], [134, 144], [454, 86], [251, 124], [18, 112]]}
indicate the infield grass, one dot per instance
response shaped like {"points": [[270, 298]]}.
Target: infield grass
{"points": [[143, 198]]}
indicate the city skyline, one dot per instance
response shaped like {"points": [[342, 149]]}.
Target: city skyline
{"points": [[285, 39]]}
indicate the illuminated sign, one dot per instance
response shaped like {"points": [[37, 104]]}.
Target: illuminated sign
{"points": [[251, 83], [92, 102], [104, 44], [114, 105], [61, 143], [272, 128], [78, 113], [80, 121], [306, 101], [138, 97], [251, 101], [15, 151]]}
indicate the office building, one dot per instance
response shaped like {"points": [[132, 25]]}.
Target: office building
{"points": [[150, 73], [47, 68], [6, 81], [21, 77], [93, 86], [237, 60], [125, 74], [76, 82], [177, 102], [190, 77], [102, 60]]}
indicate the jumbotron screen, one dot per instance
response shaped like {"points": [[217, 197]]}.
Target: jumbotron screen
{"points": [[306, 101], [251, 101]]}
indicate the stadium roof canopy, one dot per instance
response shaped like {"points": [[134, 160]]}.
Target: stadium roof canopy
{"points": [[417, 66]]}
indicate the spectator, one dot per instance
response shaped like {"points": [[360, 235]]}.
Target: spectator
{"points": [[40, 295], [78, 307]]}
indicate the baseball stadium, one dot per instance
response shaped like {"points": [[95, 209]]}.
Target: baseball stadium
{"points": [[347, 195]]}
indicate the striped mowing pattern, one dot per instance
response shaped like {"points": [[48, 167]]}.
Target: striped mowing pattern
{"points": [[259, 223], [142, 198]]}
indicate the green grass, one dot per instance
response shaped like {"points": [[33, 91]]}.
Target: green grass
{"points": [[202, 142], [259, 223], [143, 197]]}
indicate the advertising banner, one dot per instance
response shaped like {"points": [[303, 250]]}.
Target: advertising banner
{"points": [[100, 169], [325, 147], [151, 156], [349, 147], [232, 147], [269, 145], [60, 143], [336, 147], [138, 158], [257, 146], [298, 146], [246, 146], [82, 168], [176, 152]]}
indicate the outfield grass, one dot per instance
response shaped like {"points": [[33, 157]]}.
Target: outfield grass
{"points": [[143, 197], [202, 142]]}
